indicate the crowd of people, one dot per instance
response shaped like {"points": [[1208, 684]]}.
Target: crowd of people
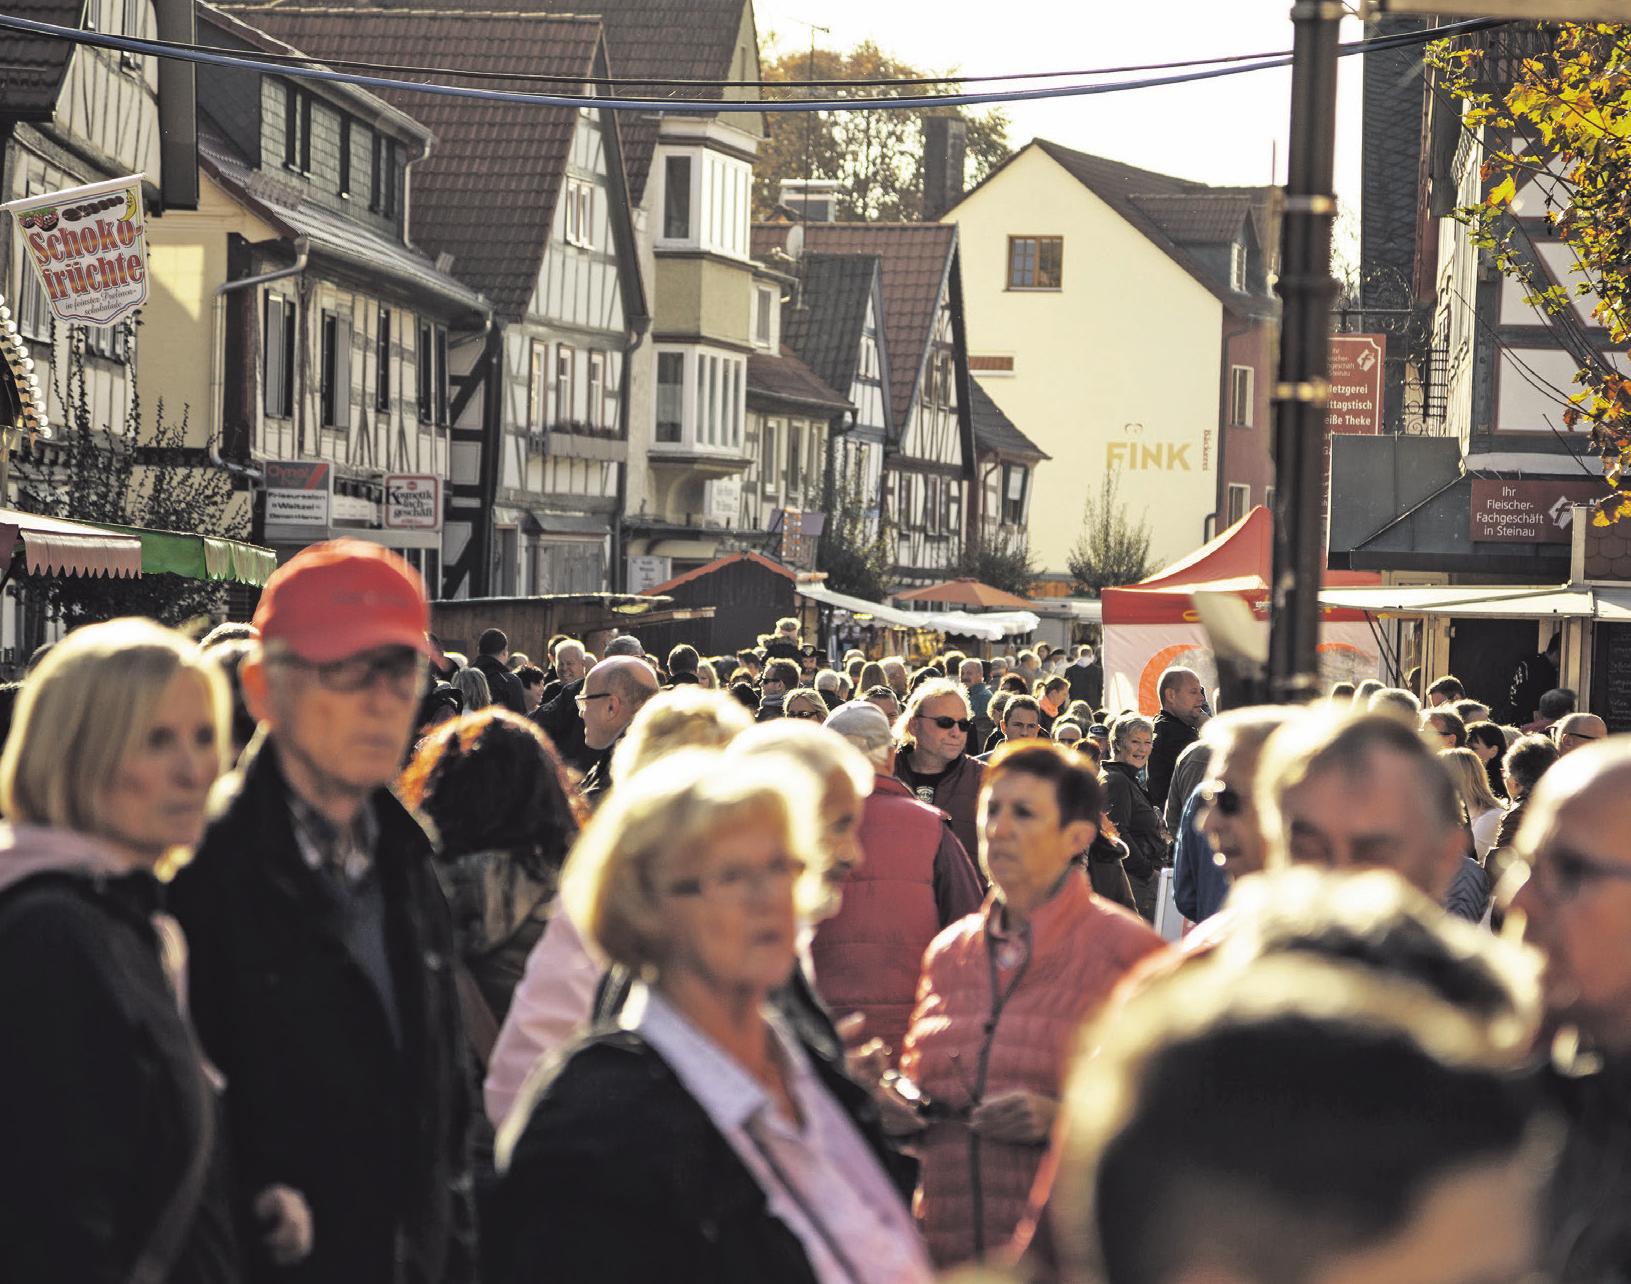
{"points": [[331, 956]]}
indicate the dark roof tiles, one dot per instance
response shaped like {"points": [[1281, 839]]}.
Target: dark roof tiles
{"points": [[32, 67], [785, 378], [825, 324], [995, 431], [473, 197]]}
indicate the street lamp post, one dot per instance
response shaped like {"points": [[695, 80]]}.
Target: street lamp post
{"points": [[1307, 291]]}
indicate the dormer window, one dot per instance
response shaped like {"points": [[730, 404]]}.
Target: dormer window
{"points": [[1237, 266]]}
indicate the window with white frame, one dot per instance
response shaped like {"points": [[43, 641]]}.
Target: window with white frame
{"points": [[33, 309], [707, 201], [1268, 498], [579, 200], [764, 307], [701, 398], [566, 361], [770, 461], [538, 386], [1015, 477], [1237, 266], [954, 508], [278, 348], [595, 415], [795, 460], [1240, 500], [1240, 396]]}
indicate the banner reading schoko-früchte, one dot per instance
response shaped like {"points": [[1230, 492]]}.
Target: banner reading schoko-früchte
{"points": [[88, 248]]}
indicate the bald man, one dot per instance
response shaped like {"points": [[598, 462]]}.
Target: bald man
{"points": [[1576, 910], [612, 694], [1577, 730]]}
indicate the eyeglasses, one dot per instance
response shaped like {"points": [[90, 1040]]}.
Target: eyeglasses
{"points": [[806, 715], [735, 884], [965, 725], [583, 700], [1214, 793], [1563, 874], [402, 669]]}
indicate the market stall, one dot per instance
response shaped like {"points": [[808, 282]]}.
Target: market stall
{"points": [[1153, 624]]}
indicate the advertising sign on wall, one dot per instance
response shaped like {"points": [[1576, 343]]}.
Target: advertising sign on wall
{"points": [[413, 502], [1356, 383], [299, 492], [1529, 512], [88, 248]]}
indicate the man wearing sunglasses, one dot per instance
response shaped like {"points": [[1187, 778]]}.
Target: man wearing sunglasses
{"points": [[933, 759], [1574, 900], [320, 948]]}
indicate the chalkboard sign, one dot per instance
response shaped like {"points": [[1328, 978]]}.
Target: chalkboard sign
{"points": [[1611, 676]]}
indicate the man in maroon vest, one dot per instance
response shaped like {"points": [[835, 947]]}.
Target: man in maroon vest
{"points": [[915, 879]]}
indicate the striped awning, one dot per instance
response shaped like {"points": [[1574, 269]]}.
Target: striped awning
{"points": [[57, 546]]}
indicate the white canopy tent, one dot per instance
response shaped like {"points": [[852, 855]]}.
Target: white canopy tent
{"points": [[1496, 601], [991, 626]]}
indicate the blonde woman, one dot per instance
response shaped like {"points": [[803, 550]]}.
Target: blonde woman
{"points": [[111, 1165], [701, 1140], [1484, 809]]}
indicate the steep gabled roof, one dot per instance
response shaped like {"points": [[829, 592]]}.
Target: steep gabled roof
{"points": [[719, 564], [487, 192], [32, 67], [666, 40], [825, 324], [995, 432], [915, 260], [1177, 215]]}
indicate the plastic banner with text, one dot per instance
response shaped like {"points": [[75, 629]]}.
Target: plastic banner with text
{"points": [[88, 246]]}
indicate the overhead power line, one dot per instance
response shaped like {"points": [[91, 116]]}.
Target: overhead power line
{"points": [[183, 52], [245, 13]]}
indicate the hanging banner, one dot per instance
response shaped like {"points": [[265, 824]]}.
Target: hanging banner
{"points": [[88, 248]]}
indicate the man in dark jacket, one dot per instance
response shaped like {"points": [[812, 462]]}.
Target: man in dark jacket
{"points": [[321, 952], [933, 760], [682, 666], [1532, 679], [1086, 677], [492, 659], [1183, 710]]}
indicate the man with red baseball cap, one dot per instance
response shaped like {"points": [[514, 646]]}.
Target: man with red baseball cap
{"points": [[321, 952]]}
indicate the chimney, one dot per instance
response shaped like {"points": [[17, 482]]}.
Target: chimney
{"points": [[810, 200], [945, 149]]}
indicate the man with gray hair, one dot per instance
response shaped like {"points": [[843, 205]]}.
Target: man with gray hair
{"points": [[916, 879], [1362, 792]]}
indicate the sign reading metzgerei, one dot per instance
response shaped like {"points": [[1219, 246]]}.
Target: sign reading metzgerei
{"points": [[1529, 512], [413, 502], [1357, 361], [299, 492]]}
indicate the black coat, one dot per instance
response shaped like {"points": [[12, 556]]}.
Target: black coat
{"points": [[100, 1102], [621, 1178], [319, 1095], [505, 686], [562, 721], [1172, 737], [1139, 825]]}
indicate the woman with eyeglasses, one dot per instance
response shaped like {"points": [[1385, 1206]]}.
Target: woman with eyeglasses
{"points": [[1128, 804], [1444, 729], [806, 704], [1003, 995], [1227, 817], [934, 762], [700, 1141]]}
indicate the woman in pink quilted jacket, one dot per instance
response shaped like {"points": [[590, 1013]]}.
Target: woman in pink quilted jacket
{"points": [[1003, 994]]}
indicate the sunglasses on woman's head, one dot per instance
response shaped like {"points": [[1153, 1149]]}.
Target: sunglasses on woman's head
{"points": [[946, 724]]}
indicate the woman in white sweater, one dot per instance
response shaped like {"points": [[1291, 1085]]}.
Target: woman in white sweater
{"points": [[1484, 809]]}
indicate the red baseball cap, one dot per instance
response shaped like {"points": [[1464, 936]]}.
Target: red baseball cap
{"points": [[340, 598]]}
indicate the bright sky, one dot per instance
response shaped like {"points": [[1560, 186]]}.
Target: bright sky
{"points": [[1218, 131]]}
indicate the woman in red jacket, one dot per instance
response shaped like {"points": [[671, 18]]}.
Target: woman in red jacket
{"points": [[1003, 994]]}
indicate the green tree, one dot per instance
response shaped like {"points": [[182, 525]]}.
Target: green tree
{"points": [[1110, 548], [1554, 103], [857, 559], [875, 156], [1001, 559], [128, 476]]}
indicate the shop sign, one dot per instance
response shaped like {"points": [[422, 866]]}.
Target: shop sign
{"points": [[647, 572], [413, 502], [1528, 512], [1357, 361], [88, 248], [724, 500], [299, 492]]}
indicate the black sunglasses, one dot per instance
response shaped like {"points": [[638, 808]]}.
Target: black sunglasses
{"points": [[1214, 793], [946, 724]]}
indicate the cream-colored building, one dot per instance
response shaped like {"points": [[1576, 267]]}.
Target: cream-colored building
{"points": [[1102, 301]]}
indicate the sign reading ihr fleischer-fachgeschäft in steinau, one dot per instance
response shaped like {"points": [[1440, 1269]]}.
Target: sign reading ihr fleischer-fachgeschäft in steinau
{"points": [[88, 247]]}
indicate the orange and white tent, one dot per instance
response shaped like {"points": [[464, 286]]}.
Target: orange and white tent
{"points": [[1153, 624]]}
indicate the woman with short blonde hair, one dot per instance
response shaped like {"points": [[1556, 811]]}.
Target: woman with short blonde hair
{"points": [[702, 1139], [111, 1167], [1484, 809]]}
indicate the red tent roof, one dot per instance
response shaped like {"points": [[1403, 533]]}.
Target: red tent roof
{"points": [[1239, 560]]}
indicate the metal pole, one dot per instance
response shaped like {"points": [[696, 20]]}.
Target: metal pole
{"points": [[1307, 291]]}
